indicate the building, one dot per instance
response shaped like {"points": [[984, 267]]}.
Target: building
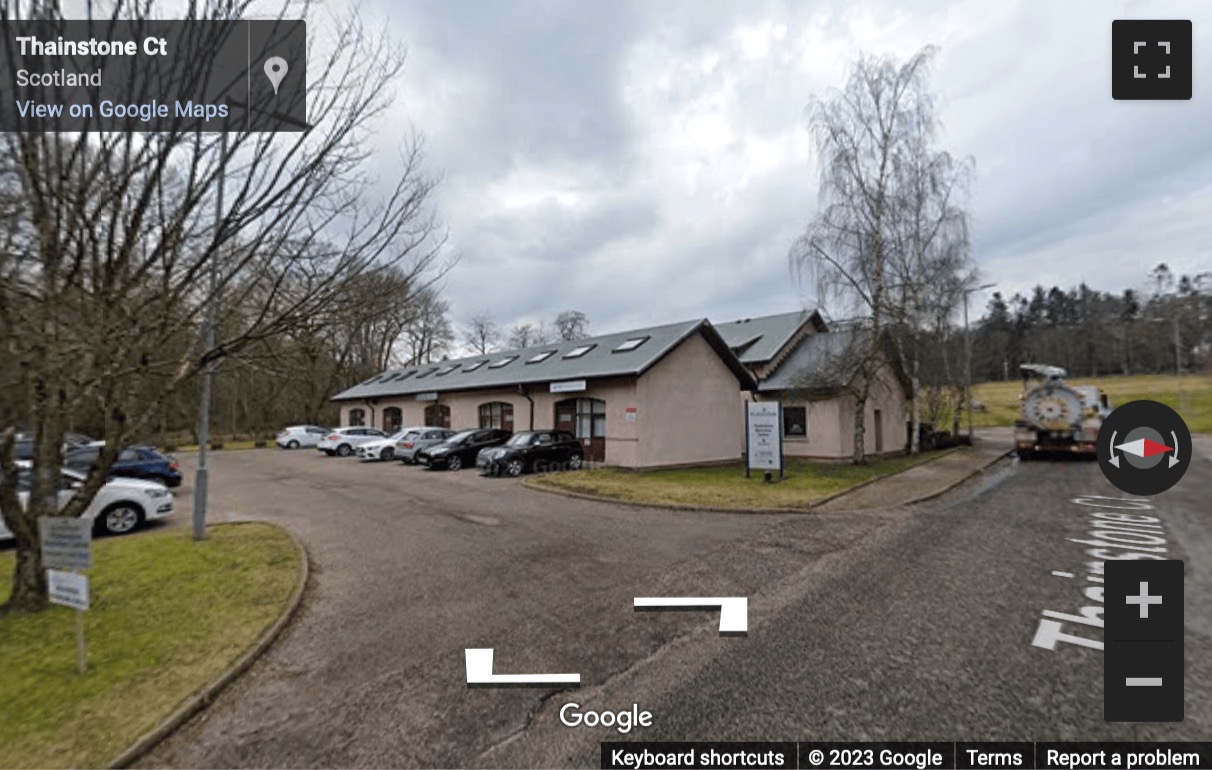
{"points": [[661, 396], [811, 370], [665, 395]]}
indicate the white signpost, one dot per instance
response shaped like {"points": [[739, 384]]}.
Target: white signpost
{"points": [[763, 437], [66, 545]]}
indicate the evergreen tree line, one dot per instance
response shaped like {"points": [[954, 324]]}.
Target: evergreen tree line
{"points": [[1164, 329]]}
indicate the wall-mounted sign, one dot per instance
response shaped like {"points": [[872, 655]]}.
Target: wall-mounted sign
{"points": [[570, 386], [763, 440], [630, 414], [430, 396]]}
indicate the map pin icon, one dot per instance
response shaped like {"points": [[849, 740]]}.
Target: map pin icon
{"points": [[275, 70]]}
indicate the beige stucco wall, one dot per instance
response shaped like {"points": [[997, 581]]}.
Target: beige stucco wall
{"points": [[688, 408], [621, 435], [685, 409], [831, 422]]}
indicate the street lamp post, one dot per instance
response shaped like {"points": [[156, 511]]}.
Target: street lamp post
{"points": [[968, 357], [202, 475]]}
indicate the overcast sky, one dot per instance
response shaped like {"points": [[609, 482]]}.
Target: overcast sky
{"points": [[649, 162]]}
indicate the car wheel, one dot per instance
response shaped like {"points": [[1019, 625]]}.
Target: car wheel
{"points": [[574, 462], [514, 467], [455, 463], [120, 518], [345, 450], [292, 444], [387, 454]]}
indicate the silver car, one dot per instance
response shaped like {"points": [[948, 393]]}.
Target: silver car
{"points": [[301, 436], [418, 439]]}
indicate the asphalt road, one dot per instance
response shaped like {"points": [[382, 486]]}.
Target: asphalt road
{"points": [[885, 624]]}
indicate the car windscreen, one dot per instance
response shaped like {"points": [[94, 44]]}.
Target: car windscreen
{"points": [[521, 439], [459, 438]]}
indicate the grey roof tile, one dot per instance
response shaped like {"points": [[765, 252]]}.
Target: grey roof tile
{"points": [[508, 368], [758, 340]]}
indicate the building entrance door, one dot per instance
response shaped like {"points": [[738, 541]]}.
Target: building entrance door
{"points": [[585, 418]]}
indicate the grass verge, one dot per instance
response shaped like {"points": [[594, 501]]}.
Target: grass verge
{"points": [[1189, 395], [168, 616], [725, 486]]}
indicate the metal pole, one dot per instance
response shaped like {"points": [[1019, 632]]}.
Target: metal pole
{"points": [[968, 368], [1178, 357], [208, 344]]}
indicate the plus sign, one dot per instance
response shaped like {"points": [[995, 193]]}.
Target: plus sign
{"points": [[1144, 600]]}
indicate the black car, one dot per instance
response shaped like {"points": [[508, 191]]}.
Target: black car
{"points": [[136, 462], [537, 450], [460, 450]]}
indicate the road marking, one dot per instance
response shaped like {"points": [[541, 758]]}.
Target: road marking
{"points": [[1143, 681], [1062, 574], [479, 672], [734, 610]]}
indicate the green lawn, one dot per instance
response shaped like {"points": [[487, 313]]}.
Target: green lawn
{"points": [[168, 615], [725, 486], [1189, 395]]}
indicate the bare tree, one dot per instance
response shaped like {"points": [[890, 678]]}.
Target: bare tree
{"points": [[523, 336], [483, 334], [119, 242], [865, 134], [929, 260], [571, 325], [430, 335]]}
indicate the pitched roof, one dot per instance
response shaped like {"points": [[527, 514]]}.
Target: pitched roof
{"points": [[629, 353], [823, 364], [758, 340]]}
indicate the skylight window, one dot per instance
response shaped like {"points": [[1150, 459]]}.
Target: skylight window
{"points": [[427, 372], [578, 352], [630, 344], [407, 374], [373, 379], [474, 366], [389, 377], [546, 354], [503, 362], [448, 369]]}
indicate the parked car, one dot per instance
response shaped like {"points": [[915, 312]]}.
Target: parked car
{"points": [[23, 444], [297, 436], [537, 450], [384, 448], [420, 438], [343, 441], [136, 462], [461, 449], [120, 506]]}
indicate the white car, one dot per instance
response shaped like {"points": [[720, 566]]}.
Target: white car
{"points": [[301, 436], [119, 507], [384, 448], [343, 441]]}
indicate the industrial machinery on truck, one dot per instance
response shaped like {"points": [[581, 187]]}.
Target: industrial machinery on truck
{"points": [[1056, 417]]}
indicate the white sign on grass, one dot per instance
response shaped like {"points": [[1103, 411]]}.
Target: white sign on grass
{"points": [[68, 589], [763, 439]]}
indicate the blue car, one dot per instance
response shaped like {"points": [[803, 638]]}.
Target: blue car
{"points": [[136, 462]]}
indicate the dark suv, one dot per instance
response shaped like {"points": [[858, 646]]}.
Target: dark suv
{"points": [[537, 450], [460, 450]]}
